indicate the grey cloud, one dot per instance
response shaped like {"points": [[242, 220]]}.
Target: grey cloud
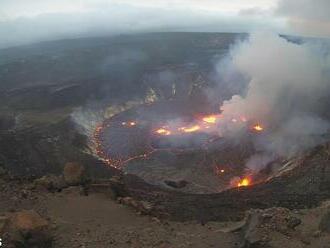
{"points": [[101, 19], [253, 12], [309, 9], [308, 17]]}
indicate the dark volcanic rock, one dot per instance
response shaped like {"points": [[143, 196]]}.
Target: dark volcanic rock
{"points": [[44, 149], [7, 122], [325, 223], [300, 187], [176, 184], [2, 171]]}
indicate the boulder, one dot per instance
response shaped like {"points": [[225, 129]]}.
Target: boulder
{"points": [[74, 174], [253, 235], [51, 182], [259, 224], [293, 222], [29, 229]]}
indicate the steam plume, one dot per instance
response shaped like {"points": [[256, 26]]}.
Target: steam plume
{"points": [[286, 84]]}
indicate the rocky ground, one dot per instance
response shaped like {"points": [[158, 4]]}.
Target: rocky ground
{"points": [[72, 210]]}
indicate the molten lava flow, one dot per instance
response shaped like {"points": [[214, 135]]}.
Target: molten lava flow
{"points": [[244, 182], [210, 119], [258, 128], [130, 123], [163, 131], [190, 129]]}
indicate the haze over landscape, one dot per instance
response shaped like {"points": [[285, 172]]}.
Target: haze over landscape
{"points": [[24, 22]]}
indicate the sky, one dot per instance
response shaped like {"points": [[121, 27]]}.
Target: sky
{"points": [[28, 21]]}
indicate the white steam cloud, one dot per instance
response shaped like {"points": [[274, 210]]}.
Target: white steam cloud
{"points": [[286, 84]]}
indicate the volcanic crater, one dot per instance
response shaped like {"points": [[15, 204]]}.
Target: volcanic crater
{"points": [[157, 145], [169, 141]]}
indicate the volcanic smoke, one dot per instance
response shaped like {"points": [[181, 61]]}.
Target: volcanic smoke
{"points": [[284, 84]]}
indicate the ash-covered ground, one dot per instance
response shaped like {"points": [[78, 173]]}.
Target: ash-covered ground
{"points": [[56, 95]]}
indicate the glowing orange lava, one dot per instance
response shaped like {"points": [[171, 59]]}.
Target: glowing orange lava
{"points": [[244, 182], [130, 123], [210, 119], [258, 128], [163, 131], [190, 129]]}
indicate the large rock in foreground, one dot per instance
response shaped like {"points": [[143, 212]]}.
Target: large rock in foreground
{"points": [[260, 224], [28, 229]]}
